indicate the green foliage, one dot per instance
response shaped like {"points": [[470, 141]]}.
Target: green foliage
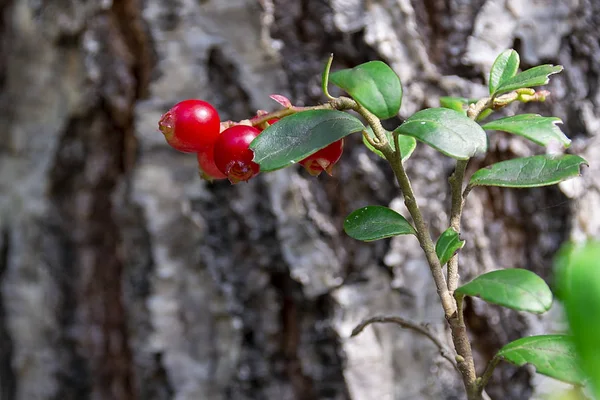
{"points": [[447, 245], [376, 222], [374, 85], [551, 355], [300, 135], [448, 131], [538, 129], [514, 288], [456, 103], [536, 76], [407, 144], [578, 279], [526, 172], [504, 68]]}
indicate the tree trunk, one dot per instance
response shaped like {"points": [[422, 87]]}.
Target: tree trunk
{"points": [[124, 276]]}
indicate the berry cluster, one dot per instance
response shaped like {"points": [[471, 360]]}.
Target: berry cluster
{"points": [[193, 126]]}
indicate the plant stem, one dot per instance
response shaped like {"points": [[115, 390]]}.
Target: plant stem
{"points": [[339, 103], [456, 184]]}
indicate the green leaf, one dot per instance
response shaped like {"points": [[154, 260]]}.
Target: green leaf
{"points": [[376, 222], [538, 129], [374, 85], [407, 144], [514, 288], [447, 245], [578, 278], [456, 103], [535, 76], [551, 355], [297, 136], [532, 171], [447, 131], [504, 68]]}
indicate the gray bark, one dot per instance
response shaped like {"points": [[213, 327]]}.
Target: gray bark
{"points": [[124, 276]]}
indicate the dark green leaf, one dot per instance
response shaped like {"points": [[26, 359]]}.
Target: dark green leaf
{"points": [[504, 68], [407, 144], [376, 222], [374, 85], [551, 355], [295, 137], [535, 76], [448, 243], [456, 103], [578, 278], [532, 171], [447, 131], [514, 288], [538, 129]]}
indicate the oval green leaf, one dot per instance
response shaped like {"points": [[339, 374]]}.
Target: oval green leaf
{"points": [[504, 68], [532, 171], [448, 131], [551, 355], [374, 85], [578, 278], [376, 222], [447, 245], [456, 103], [296, 137], [407, 144], [538, 129], [514, 288], [536, 76]]}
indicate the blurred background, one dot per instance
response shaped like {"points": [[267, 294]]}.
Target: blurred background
{"points": [[124, 276]]}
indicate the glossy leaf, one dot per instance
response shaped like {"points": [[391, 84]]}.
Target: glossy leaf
{"points": [[297, 136], [374, 85], [456, 103], [376, 222], [514, 288], [551, 355], [447, 244], [504, 68], [538, 129], [448, 131], [578, 278], [536, 76], [407, 144], [532, 171]]}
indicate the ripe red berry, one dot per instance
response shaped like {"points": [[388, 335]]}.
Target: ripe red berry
{"points": [[206, 162], [324, 159], [190, 126], [232, 155]]}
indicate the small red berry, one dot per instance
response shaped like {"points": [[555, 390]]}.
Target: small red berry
{"points": [[190, 126], [233, 157], [324, 159], [206, 163]]}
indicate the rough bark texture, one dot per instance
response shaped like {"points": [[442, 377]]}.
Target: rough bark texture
{"points": [[123, 276]]}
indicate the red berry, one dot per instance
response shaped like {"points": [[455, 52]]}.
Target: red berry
{"points": [[232, 154], [206, 162], [324, 159], [190, 126]]}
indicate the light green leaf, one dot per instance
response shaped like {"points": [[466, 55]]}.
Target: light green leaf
{"points": [[535, 76], [538, 129], [578, 280], [374, 85], [297, 136], [407, 144], [532, 171], [504, 68], [448, 131], [514, 288], [376, 222], [456, 103], [447, 244], [551, 355]]}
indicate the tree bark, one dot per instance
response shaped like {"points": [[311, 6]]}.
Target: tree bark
{"points": [[124, 276]]}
